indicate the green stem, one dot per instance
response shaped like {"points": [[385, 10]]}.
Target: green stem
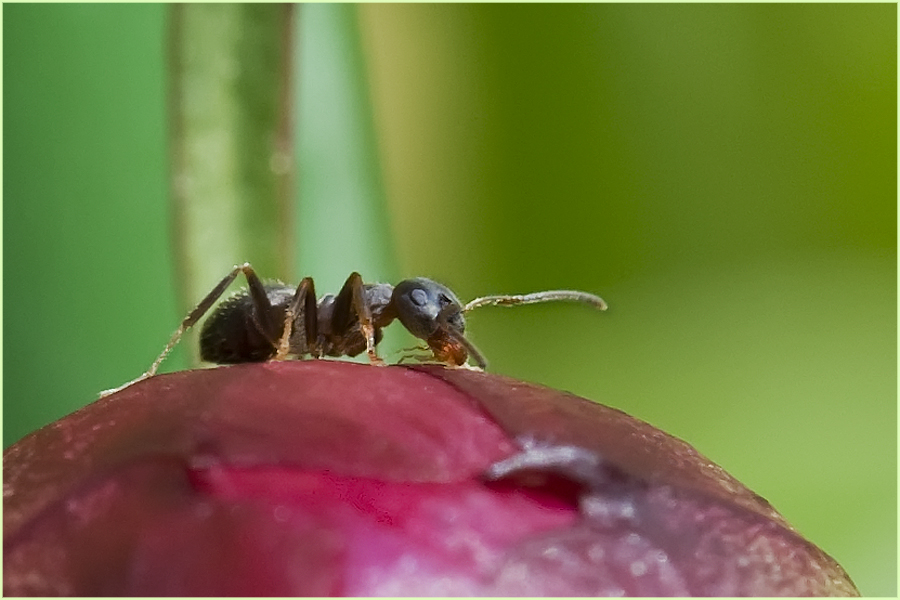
{"points": [[231, 141]]}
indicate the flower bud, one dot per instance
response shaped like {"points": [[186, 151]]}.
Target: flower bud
{"points": [[333, 478]]}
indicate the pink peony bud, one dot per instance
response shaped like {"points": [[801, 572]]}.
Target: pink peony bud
{"points": [[333, 478]]}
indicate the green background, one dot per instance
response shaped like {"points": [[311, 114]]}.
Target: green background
{"points": [[724, 175]]}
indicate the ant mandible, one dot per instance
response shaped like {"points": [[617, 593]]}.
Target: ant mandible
{"points": [[272, 321]]}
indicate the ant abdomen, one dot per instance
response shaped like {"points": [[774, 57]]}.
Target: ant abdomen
{"points": [[236, 332]]}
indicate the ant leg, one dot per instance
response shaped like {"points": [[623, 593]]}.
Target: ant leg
{"points": [[262, 308], [256, 291], [351, 299], [305, 296], [421, 353]]}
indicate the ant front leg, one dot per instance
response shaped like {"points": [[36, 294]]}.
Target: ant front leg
{"points": [[257, 293], [352, 300]]}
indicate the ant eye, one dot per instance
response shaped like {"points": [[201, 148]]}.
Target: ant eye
{"points": [[419, 297]]}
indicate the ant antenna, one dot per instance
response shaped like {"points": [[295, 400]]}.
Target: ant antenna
{"points": [[537, 297]]}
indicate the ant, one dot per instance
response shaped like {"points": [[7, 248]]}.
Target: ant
{"points": [[272, 321]]}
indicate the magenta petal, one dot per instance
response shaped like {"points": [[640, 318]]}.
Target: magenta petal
{"points": [[143, 530], [633, 445], [329, 478], [434, 538]]}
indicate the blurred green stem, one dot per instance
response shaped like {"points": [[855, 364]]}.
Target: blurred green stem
{"points": [[343, 224], [231, 141]]}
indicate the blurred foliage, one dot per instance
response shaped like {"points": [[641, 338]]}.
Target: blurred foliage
{"points": [[343, 223], [723, 175]]}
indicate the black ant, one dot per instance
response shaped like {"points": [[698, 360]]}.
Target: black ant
{"points": [[272, 321]]}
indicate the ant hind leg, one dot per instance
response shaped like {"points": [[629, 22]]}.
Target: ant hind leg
{"points": [[256, 290]]}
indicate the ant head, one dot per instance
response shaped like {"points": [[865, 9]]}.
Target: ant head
{"points": [[430, 311], [424, 306]]}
